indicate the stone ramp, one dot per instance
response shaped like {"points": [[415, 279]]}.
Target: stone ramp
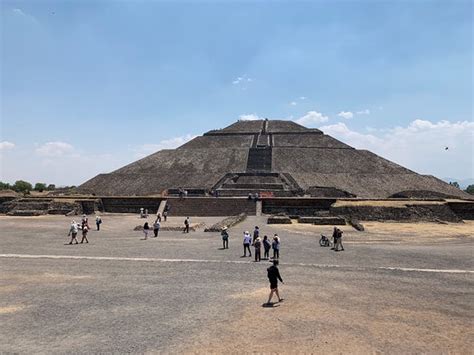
{"points": [[162, 206]]}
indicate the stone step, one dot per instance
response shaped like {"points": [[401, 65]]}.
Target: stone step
{"points": [[323, 221]]}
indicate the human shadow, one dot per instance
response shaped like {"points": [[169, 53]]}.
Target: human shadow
{"points": [[270, 305]]}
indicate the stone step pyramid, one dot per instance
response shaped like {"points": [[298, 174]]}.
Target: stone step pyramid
{"points": [[281, 157]]}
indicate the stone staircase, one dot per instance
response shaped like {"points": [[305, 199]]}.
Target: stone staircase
{"points": [[243, 184]]}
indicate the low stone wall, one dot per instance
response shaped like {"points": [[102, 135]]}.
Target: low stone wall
{"points": [[430, 213], [464, 210], [226, 222], [296, 206], [279, 220], [323, 221]]}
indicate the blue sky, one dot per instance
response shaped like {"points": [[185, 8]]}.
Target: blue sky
{"points": [[89, 86]]}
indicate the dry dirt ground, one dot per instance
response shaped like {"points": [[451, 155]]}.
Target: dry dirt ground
{"points": [[397, 288]]}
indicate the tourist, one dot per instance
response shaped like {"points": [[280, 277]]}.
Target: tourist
{"points": [[146, 229], [276, 247], [84, 222], [256, 233], [73, 232], [257, 243], [225, 238], [266, 247], [338, 240], [156, 227], [273, 276], [186, 225], [166, 212], [158, 217], [146, 212], [142, 213], [247, 241], [85, 230], [98, 222]]}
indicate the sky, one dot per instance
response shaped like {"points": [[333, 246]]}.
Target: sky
{"points": [[89, 86]]}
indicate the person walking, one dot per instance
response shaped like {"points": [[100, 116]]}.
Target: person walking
{"points": [[186, 225], [166, 212], [225, 238], [73, 229], [98, 222], [247, 241], [156, 227], [84, 222], [158, 217], [338, 240], [146, 229], [258, 248], [85, 230], [266, 247], [256, 234], [273, 276], [276, 247]]}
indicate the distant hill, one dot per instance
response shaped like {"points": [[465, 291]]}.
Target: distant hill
{"points": [[463, 183]]}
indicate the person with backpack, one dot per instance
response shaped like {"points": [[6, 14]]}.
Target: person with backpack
{"points": [[98, 222], [257, 243], [266, 247], [276, 247], [273, 276], [186, 225], [247, 241], [85, 230], [338, 240], [146, 229], [73, 229], [225, 238], [156, 227]]}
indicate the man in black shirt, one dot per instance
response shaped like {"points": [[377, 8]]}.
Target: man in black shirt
{"points": [[273, 277]]}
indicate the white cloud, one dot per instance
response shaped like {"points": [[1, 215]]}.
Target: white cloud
{"points": [[56, 149], [250, 117], [312, 118], [302, 97], [293, 103], [21, 14], [418, 146], [347, 115], [242, 80], [364, 112], [4, 146]]}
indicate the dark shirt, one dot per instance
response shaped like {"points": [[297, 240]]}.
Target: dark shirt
{"points": [[273, 274], [266, 244]]}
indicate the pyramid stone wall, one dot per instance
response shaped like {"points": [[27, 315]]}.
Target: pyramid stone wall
{"points": [[296, 158]]}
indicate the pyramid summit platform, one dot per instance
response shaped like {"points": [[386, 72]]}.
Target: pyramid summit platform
{"points": [[276, 157]]}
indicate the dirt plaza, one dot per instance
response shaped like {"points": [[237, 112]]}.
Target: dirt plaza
{"points": [[397, 288]]}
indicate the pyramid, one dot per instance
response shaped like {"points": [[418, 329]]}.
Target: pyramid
{"points": [[278, 157]]}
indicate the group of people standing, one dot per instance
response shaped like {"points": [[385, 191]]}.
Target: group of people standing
{"points": [[257, 243], [84, 226]]}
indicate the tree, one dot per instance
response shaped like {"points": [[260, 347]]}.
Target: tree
{"points": [[470, 189], [40, 186], [22, 186], [455, 184], [51, 187], [5, 186]]}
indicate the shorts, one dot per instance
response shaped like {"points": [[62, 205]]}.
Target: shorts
{"points": [[273, 286]]}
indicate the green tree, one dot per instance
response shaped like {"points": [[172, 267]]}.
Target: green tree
{"points": [[5, 185], [40, 186], [51, 187], [470, 189], [455, 184], [22, 186]]}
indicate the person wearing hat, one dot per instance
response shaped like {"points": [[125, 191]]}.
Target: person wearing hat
{"points": [[247, 241], [273, 276], [85, 221], [73, 232], [257, 243], [225, 238]]}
